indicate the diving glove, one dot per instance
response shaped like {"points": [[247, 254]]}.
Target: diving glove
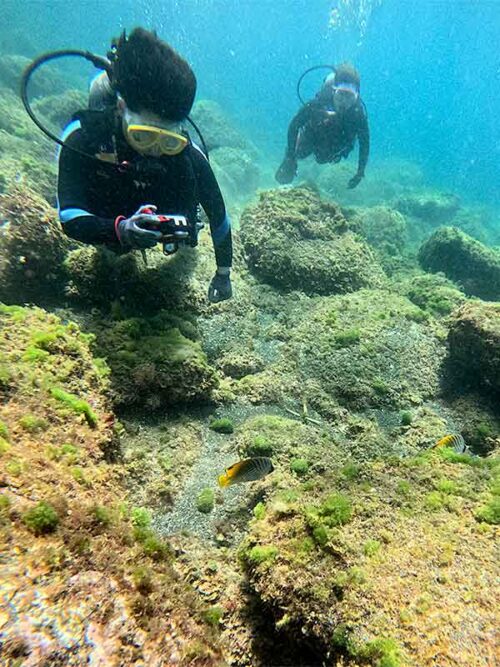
{"points": [[220, 287], [135, 232], [354, 181], [287, 170]]}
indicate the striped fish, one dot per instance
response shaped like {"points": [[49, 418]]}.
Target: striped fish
{"points": [[246, 470], [454, 440]]}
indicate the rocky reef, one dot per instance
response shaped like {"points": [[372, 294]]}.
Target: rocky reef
{"points": [[343, 356], [474, 341], [464, 260], [80, 566], [293, 240]]}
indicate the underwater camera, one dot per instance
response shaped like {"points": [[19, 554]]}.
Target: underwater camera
{"points": [[176, 230]]}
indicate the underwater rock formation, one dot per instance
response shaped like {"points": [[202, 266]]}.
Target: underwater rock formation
{"points": [[464, 260], [293, 240], [368, 562], [236, 171], [435, 208], [385, 229], [474, 341], [156, 362], [58, 109], [370, 348], [32, 251], [84, 579], [216, 127], [44, 83], [100, 277], [434, 293]]}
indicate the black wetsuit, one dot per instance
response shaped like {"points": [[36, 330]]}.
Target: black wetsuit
{"points": [[92, 194], [317, 128]]}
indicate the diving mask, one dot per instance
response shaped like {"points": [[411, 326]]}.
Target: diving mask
{"points": [[149, 135], [345, 95]]}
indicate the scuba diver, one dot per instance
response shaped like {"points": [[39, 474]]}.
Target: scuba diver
{"points": [[328, 126], [129, 174]]}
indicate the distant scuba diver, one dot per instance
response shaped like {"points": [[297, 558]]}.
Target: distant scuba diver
{"points": [[129, 175], [328, 126]]}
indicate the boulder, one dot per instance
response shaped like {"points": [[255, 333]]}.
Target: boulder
{"points": [[464, 260]]}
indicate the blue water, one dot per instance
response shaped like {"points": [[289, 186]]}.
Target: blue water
{"points": [[430, 69]]}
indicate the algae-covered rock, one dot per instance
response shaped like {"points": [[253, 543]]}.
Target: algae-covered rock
{"points": [[293, 240], [98, 276], [385, 229], [474, 341], [434, 293], [436, 208], [236, 169], [370, 348], [153, 364], [58, 109], [45, 82], [33, 248], [379, 567], [463, 260], [73, 551], [216, 127]]}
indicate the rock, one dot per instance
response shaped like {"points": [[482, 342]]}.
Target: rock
{"points": [[58, 109], [216, 127], [434, 293], [370, 348], [464, 260], [100, 558], [44, 82], [474, 341], [33, 249], [236, 171], [293, 240], [385, 229], [435, 208], [154, 365], [362, 564]]}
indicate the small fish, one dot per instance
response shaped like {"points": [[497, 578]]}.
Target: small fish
{"points": [[454, 440], [247, 470]]}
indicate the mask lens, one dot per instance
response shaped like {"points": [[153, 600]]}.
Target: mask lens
{"points": [[141, 138], [172, 143]]}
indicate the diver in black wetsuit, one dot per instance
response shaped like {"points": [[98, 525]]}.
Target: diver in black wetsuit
{"points": [[147, 169], [328, 126]]}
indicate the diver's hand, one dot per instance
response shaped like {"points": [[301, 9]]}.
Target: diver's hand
{"points": [[354, 181], [220, 287], [286, 171], [136, 232]]}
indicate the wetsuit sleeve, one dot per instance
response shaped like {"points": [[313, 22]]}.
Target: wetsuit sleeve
{"points": [[75, 170], [364, 143], [302, 117], [213, 204]]}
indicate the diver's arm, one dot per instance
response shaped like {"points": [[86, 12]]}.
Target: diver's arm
{"points": [[76, 218], [364, 143], [213, 205]]}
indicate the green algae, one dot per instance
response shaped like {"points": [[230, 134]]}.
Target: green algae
{"points": [[336, 510], [33, 424], [213, 615], [205, 501], [222, 425], [261, 554], [299, 466], [259, 511], [75, 404], [142, 577], [490, 512], [371, 547], [4, 446], [41, 519], [140, 517], [406, 418]]}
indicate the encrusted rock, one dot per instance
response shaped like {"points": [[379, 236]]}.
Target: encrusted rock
{"points": [[474, 340], [464, 260], [293, 240]]}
